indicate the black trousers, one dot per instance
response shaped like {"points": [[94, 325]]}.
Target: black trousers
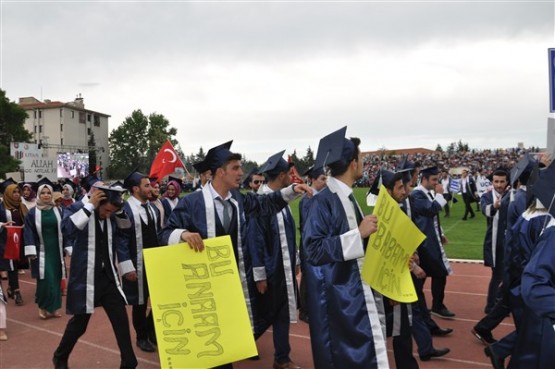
{"points": [[467, 205], [106, 295], [438, 292], [143, 323]]}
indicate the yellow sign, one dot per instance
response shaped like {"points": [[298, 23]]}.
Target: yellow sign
{"points": [[386, 263], [199, 309]]}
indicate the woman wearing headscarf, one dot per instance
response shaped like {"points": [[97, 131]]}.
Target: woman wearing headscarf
{"points": [[28, 195], [43, 245], [12, 213], [67, 192], [171, 197]]}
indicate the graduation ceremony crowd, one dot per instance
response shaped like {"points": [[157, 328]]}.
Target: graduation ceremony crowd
{"points": [[104, 232]]}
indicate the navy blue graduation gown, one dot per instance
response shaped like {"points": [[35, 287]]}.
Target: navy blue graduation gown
{"points": [[347, 322], [536, 340], [494, 240], [271, 241], [34, 243], [196, 213], [131, 245], [425, 214], [82, 229]]}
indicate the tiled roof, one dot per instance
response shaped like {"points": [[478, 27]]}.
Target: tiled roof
{"points": [[412, 151]]}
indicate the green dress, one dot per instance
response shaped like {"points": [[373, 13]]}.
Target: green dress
{"points": [[49, 292]]}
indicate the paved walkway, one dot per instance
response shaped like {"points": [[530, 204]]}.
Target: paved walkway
{"points": [[32, 340]]}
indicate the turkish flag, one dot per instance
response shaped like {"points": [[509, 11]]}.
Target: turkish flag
{"points": [[165, 162], [295, 177], [13, 243]]}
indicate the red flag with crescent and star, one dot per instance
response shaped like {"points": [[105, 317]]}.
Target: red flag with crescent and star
{"points": [[13, 242], [295, 177], [165, 162]]}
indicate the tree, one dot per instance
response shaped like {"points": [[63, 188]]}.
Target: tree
{"points": [[135, 143], [12, 129], [439, 148]]}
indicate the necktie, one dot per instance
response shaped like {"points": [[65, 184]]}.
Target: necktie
{"points": [[355, 206], [148, 216], [226, 218]]}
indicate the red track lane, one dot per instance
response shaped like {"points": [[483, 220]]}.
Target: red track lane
{"points": [[32, 340]]}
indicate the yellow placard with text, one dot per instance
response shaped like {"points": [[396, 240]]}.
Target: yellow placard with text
{"points": [[198, 305], [386, 263]]}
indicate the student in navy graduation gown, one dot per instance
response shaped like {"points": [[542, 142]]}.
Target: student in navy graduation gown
{"points": [[317, 181], [145, 221], [345, 316], [494, 206], [94, 280], [425, 211], [220, 209], [273, 250]]}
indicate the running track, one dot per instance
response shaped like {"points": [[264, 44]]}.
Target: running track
{"points": [[32, 340]]}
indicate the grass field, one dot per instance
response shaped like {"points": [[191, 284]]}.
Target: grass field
{"points": [[465, 237]]}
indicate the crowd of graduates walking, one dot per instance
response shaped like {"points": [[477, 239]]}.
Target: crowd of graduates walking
{"points": [[103, 233]]}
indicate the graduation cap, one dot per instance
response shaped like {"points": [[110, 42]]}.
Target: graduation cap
{"points": [[405, 163], [6, 183], [534, 176], [117, 184], [201, 166], [175, 181], [313, 173], [334, 148], [275, 164], [217, 156], [114, 194], [522, 168], [133, 179], [429, 171], [88, 181], [41, 182], [544, 188], [248, 178]]}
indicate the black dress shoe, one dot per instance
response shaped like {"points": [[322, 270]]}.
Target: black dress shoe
{"points": [[441, 332], [496, 361], [59, 363], [146, 345], [435, 353], [443, 313], [485, 336]]}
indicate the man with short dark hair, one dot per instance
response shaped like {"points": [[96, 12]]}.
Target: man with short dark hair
{"points": [[94, 280], [220, 209]]}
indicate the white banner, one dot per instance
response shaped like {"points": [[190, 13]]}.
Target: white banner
{"points": [[35, 162]]}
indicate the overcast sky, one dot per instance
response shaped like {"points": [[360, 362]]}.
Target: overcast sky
{"points": [[280, 75]]}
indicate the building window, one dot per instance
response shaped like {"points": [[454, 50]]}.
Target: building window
{"points": [[72, 114], [35, 114], [61, 141], [88, 117], [35, 129], [40, 114], [40, 129], [97, 121], [61, 127], [81, 117], [89, 131], [61, 113]]}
